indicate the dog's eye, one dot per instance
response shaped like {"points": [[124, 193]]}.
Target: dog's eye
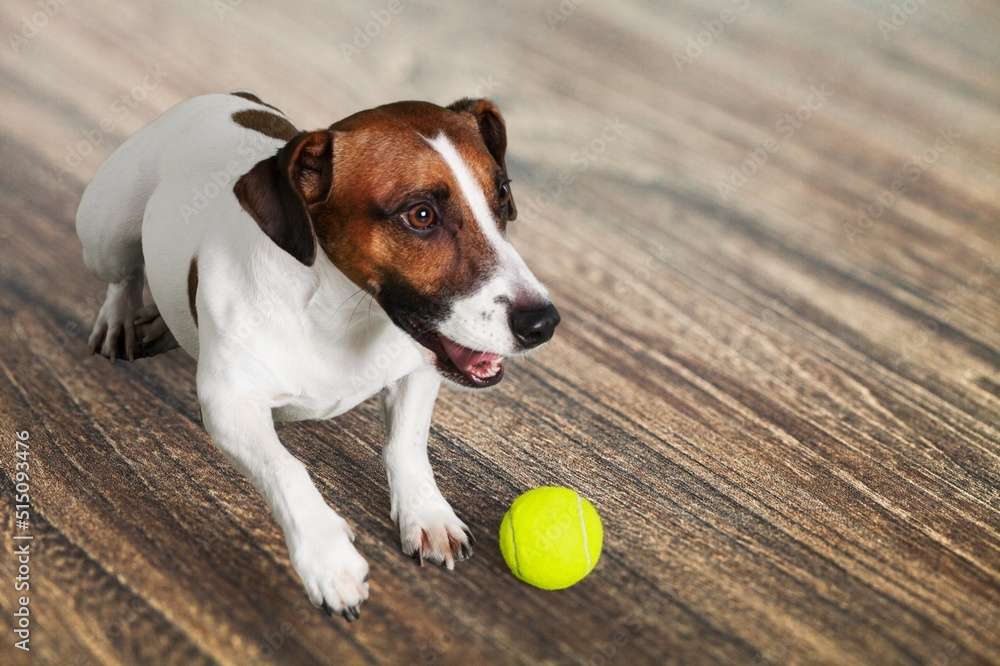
{"points": [[420, 216], [504, 193]]}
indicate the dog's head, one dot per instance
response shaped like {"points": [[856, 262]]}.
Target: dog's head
{"points": [[411, 202]]}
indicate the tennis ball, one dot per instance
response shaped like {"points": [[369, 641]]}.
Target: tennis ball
{"points": [[551, 537]]}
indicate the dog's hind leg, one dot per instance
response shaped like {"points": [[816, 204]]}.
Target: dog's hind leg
{"points": [[109, 223], [114, 331], [152, 334]]}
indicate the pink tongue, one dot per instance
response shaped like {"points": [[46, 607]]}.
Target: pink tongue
{"points": [[466, 359]]}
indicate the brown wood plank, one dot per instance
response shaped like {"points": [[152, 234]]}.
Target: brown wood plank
{"points": [[787, 413]]}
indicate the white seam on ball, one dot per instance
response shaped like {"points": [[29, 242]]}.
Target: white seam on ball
{"points": [[513, 545], [583, 527]]}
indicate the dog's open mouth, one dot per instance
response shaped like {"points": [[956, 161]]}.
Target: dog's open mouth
{"points": [[464, 366], [483, 368]]}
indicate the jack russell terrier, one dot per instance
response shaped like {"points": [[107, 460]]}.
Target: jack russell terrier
{"points": [[260, 242]]}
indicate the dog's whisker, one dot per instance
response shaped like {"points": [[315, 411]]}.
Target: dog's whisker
{"points": [[347, 327], [348, 300], [370, 303], [551, 281]]}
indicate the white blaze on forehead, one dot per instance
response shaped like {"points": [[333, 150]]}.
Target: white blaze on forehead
{"points": [[479, 320], [510, 261], [471, 190]]}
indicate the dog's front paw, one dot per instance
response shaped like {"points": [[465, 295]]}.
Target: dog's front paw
{"points": [[431, 531], [333, 572]]}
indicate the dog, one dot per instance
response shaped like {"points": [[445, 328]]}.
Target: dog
{"points": [[260, 242]]}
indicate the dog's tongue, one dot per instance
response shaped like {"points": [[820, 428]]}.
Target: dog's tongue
{"points": [[476, 363]]}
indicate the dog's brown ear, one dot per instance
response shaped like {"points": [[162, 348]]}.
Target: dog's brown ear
{"points": [[492, 129], [279, 191]]}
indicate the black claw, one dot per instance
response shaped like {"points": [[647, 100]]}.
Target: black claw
{"points": [[352, 613], [472, 539], [349, 614], [366, 579], [418, 556], [466, 552]]}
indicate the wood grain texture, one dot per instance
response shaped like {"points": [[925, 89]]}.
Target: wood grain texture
{"points": [[783, 397]]}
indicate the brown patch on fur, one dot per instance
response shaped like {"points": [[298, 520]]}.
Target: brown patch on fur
{"points": [[193, 288], [253, 98], [267, 123], [280, 192], [383, 165]]}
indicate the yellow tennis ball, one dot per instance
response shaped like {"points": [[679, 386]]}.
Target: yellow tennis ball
{"points": [[551, 537]]}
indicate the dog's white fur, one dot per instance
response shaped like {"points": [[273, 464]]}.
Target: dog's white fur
{"points": [[276, 339]]}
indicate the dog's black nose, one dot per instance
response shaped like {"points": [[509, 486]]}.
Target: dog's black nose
{"points": [[533, 326]]}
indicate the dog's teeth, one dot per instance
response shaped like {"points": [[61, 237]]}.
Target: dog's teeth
{"points": [[486, 370]]}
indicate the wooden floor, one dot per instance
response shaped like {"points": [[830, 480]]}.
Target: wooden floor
{"points": [[775, 245]]}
